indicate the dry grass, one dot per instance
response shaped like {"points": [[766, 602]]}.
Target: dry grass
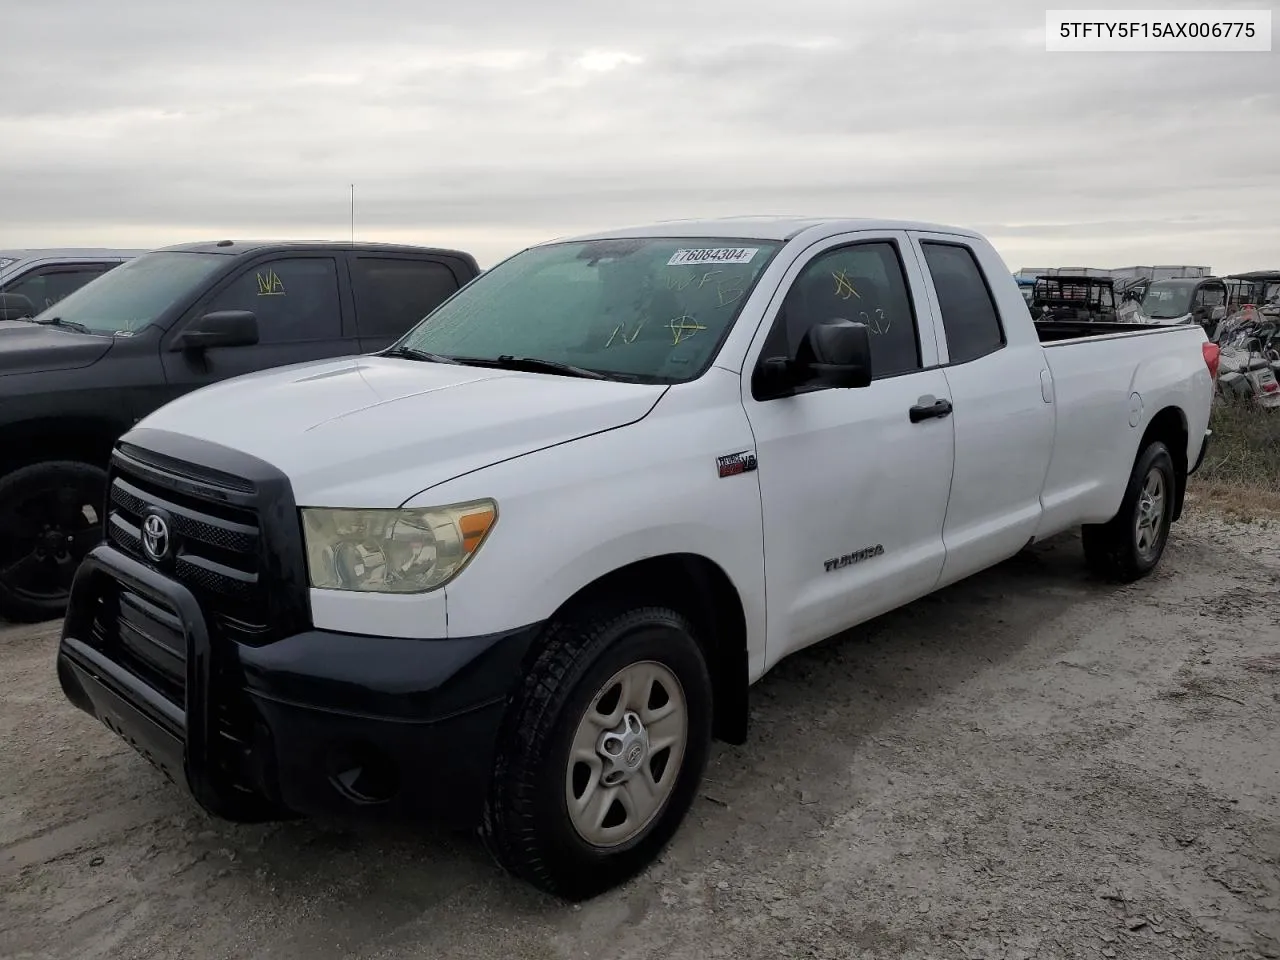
{"points": [[1241, 472]]}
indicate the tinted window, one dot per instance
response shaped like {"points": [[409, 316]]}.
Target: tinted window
{"points": [[968, 313], [293, 299], [863, 283], [392, 295], [46, 287]]}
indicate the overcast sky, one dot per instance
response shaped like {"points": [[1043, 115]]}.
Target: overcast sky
{"points": [[492, 124]]}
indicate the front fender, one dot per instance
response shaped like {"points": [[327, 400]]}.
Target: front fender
{"points": [[569, 515]]}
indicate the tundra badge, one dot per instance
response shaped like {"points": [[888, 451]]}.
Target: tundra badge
{"points": [[866, 553]]}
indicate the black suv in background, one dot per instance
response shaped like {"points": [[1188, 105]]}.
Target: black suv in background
{"points": [[80, 374]]}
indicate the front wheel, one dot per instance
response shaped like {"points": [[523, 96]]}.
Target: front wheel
{"points": [[50, 516], [601, 753], [1129, 546]]}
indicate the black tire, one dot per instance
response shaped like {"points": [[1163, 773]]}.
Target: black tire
{"points": [[526, 824], [50, 517], [1113, 550]]}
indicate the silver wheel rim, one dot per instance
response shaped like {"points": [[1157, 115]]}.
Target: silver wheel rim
{"points": [[1150, 519], [626, 754]]}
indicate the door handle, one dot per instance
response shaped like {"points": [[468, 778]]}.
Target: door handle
{"points": [[939, 408]]}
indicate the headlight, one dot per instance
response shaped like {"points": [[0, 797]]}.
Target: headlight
{"points": [[393, 551]]}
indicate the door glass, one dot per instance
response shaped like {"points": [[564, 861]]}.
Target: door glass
{"points": [[863, 283], [393, 294], [969, 315], [293, 299]]}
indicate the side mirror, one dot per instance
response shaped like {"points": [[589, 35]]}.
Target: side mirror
{"points": [[222, 328], [835, 354], [14, 306]]}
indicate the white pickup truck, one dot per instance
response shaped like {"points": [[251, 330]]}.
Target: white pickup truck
{"points": [[518, 570]]}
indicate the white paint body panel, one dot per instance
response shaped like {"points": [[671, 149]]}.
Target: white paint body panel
{"points": [[838, 469], [571, 514], [1094, 445], [591, 476], [372, 431], [1003, 431]]}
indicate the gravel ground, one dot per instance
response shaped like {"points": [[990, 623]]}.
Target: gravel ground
{"points": [[1026, 765]]}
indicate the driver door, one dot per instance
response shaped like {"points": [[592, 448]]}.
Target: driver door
{"points": [[854, 491], [297, 300]]}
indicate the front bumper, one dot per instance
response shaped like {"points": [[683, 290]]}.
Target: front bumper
{"points": [[319, 723]]}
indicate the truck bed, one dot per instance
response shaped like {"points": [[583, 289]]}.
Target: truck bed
{"points": [[1051, 331], [1106, 379]]}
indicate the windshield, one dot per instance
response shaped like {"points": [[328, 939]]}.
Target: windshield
{"points": [[132, 295], [1166, 300], [651, 309]]}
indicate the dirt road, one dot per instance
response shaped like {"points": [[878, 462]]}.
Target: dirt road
{"points": [[1026, 765]]}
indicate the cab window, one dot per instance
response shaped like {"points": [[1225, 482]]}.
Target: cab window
{"points": [[293, 299], [864, 283]]}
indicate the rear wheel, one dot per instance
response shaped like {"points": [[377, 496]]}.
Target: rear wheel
{"points": [[1130, 545], [601, 753], [50, 517]]}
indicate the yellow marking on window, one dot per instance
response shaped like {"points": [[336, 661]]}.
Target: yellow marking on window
{"points": [[844, 288], [270, 285], [621, 329], [682, 328]]}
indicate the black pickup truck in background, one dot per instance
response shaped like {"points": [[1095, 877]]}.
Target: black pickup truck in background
{"points": [[80, 374]]}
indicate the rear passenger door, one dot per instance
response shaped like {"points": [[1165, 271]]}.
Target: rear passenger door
{"points": [[296, 298], [1002, 394], [393, 292]]}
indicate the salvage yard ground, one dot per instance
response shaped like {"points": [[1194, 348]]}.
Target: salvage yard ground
{"points": [[1029, 764]]}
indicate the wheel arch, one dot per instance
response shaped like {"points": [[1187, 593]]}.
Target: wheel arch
{"points": [[1169, 426], [85, 439], [700, 589]]}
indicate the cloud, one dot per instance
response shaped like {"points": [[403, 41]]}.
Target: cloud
{"points": [[495, 124]]}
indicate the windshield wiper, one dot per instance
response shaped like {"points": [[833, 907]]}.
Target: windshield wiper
{"points": [[409, 353], [59, 322], [536, 365]]}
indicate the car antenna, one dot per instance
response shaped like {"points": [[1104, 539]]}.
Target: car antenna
{"points": [[353, 214]]}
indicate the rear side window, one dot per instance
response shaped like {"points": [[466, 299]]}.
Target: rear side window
{"points": [[968, 313], [294, 300], [393, 294]]}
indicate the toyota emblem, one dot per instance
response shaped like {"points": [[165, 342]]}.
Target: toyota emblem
{"points": [[155, 537]]}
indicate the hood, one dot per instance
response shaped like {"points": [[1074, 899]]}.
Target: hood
{"points": [[373, 431], [27, 347]]}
